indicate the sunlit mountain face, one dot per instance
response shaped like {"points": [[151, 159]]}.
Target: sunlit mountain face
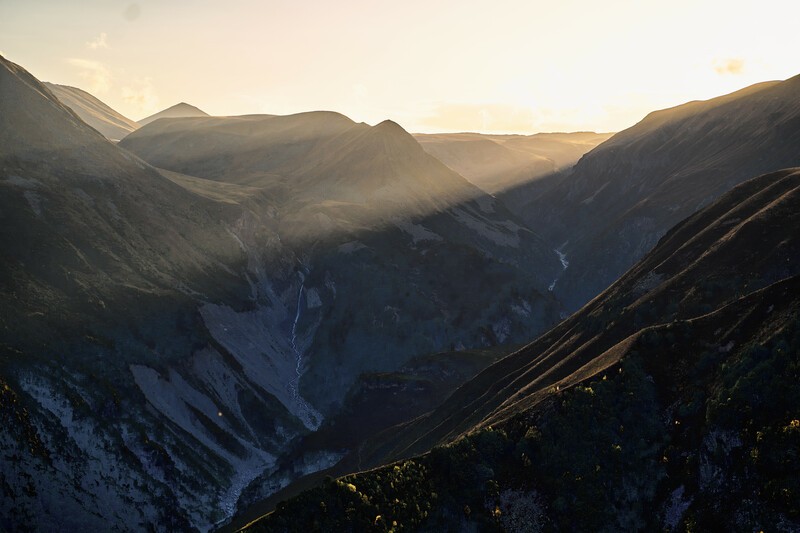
{"points": [[388, 267]]}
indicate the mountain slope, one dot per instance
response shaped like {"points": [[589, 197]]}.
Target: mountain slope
{"points": [[669, 401], [119, 407], [94, 112], [496, 163], [623, 196], [180, 110], [741, 243]]}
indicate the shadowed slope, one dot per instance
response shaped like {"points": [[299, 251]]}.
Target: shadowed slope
{"points": [[105, 267], [667, 386], [624, 195], [741, 243]]}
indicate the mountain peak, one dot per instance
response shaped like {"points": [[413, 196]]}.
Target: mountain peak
{"points": [[179, 110], [390, 125]]}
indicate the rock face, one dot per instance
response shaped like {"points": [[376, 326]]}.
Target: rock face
{"points": [[92, 111], [166, 335], [621, 197]]}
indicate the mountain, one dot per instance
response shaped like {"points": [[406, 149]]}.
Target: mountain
{"points": [[496, 163], [118, 407], [621, 197], [93, 112], [166, 337], [668, 402], [180, 110], [401, 256]]}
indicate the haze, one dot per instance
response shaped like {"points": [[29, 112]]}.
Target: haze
{"points": [[500, 66]]}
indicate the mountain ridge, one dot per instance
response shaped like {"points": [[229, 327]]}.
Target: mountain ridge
{"points": [[616, 202], [91, 110]]}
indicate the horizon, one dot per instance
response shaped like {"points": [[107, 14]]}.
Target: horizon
{"points": [[446, 68]]}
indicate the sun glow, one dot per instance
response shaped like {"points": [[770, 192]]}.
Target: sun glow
{"points": [[505, 66]]}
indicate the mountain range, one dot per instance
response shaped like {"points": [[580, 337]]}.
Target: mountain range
{"points": [[497, 163], [206, 321], [708, 291], [189, 323]]}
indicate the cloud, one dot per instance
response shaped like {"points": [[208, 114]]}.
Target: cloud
{"points": [[97, 76], [142, 94], [729, 66], [101, 41]]}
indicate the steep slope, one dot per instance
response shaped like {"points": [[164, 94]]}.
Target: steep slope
{"points": [[623, 196], [400, 255], [669, 401], [177, 111], [94, 112], [496, 163], [119, 408]]}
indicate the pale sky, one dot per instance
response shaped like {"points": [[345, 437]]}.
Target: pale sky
{"points": [[517, 66]]}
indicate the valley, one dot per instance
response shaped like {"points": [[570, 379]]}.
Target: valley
{"points": [[299, 319], [238, 349]]}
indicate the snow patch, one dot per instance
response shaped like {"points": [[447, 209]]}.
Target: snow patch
{"points": [[25, 183], [350, 247], [486, 204], [268, 358], [34, 201], [676, 508], [524, 309], [84, 197], [508, 236], [313, 299], [502, 330], [418, 232]]}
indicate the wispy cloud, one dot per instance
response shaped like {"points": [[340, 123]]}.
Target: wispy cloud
{"points": [[731, 65], [142, 94], [101, 41], [98, 77]]}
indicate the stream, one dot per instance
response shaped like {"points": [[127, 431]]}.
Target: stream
{"points": [[310, 417]]}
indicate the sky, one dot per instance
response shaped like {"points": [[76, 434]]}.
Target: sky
{"points": [[498, 66]]}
